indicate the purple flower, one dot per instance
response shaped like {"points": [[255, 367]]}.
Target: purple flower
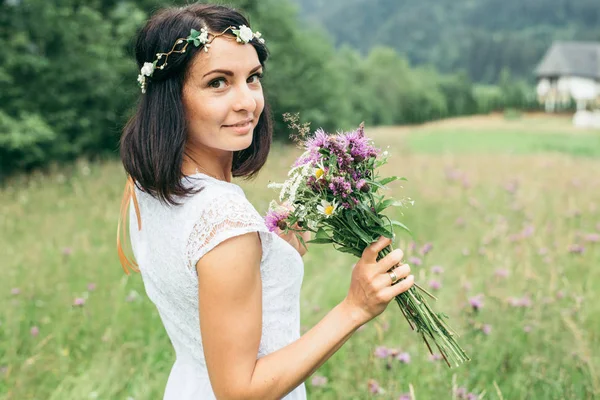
{"points": [[381, 352], [362, 186], [460, 222], [35, 331], [359, 146], [426, 248], [460, 392], [416, 261], [405, 396], [486, 329], [91, 286], [340, 186], [436, 269], [501, 273], [476, 302], [435, 285], [435, 357], [374, 387], [527, 328], [79, 301], [592, 237], [318, 381], [403, 358], [275, 219], [15, 291], [472, 396], [67, 251]]}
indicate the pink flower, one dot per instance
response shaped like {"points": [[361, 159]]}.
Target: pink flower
{"points": [[403, 358], [79, 301], [576, 248], [476, 302], [35, 331], [436, 269], [15, 291], [374, 387], [435, 357], [275, 219], [67, 251], [426, 248], [435, 285], [91, 287], [486, 329], [527, 328], [405, 396], [318, 381], [416, 261], [501, 273], [381, 352]]}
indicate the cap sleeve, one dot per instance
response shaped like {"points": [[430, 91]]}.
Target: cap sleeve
{"points": [[220, 218]]}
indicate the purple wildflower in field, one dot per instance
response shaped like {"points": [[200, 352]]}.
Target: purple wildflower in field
{"points": [[67, 251], [436, 269], [427, 247], [78, 301], [476, 302], [435, 285], [525, 302], [412, 246], [416, 261], [576, 248], [560, 294], [460, 222], [274, 219], [512, 186], [91, 286], [461, 392], [592, 237], [381, 352], [527, 328], [472, 396], [486, 329], [34, 331], [340, 187], [501, 272], [405, 396], [15, 291], [403, 358], [374, 387], [318, 381], [435, 357]]}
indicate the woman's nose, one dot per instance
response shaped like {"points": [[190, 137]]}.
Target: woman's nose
{"points": [[245, 99]]}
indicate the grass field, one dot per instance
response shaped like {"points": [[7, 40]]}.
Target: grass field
{"points": [[511, 209]]}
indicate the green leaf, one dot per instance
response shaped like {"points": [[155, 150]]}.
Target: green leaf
{"points": [[196, 42], [321, 234], [321, 241], [358, 230], [194, 33], [380, 230], [385, 181], [350, 250], [401, 225]]}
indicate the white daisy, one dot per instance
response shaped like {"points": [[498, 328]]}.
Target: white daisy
{"points": [[326, 208]]}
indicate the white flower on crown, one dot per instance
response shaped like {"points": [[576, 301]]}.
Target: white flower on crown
{"points": [[147, 69], [203, 36], [245, 34]]}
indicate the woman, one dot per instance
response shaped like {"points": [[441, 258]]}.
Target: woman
{"points": [[226, 288]]}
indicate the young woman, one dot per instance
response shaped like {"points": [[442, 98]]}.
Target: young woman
{"points": [[226, 288]]}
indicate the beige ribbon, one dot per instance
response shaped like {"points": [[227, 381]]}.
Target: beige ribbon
{"points": [[128, 195]]}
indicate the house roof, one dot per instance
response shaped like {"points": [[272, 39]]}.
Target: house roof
{"points": [[571, 58]]}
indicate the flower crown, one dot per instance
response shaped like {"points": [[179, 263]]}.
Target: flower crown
{"points": [[243, 35]]}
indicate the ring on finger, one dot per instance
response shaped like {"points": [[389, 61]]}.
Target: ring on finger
{"points": [[393, 276]]}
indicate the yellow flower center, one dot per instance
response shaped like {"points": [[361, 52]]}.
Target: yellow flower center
{"points": [[319, 173], [329, 210]]}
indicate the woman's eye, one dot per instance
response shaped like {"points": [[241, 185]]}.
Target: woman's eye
{"points": [[217, 83], [255, 78]]}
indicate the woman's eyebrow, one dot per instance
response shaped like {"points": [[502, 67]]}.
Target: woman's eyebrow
{"points": [[230, 73]]}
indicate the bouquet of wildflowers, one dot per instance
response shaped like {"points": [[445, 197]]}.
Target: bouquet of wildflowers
{"points": [[332, 191]]}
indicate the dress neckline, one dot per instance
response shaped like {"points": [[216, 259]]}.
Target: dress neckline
{"points": [[212, 178]]}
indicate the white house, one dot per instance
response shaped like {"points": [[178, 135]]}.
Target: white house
{"points": [[570, 71]]}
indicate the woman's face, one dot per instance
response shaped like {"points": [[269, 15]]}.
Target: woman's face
{"points": [[223, 97]]}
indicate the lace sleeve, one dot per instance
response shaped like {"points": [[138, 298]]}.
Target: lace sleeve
{"points": [[222, 218]]}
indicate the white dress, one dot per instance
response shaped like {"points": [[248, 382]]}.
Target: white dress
{"points": [[167, 248]]}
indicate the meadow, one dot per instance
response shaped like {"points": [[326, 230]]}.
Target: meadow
{"points": [[506, 226]]}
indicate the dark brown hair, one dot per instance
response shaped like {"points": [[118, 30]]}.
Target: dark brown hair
{"points": [[153, 140]]}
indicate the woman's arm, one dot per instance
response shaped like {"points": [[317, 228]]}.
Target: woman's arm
{"points": [[230, 306]]}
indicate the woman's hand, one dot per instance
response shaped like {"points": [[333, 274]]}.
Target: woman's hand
{"points": [[371, 286], [291, 238]]}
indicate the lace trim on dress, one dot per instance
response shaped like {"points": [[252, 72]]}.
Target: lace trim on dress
{"points": [[225, 216]]}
